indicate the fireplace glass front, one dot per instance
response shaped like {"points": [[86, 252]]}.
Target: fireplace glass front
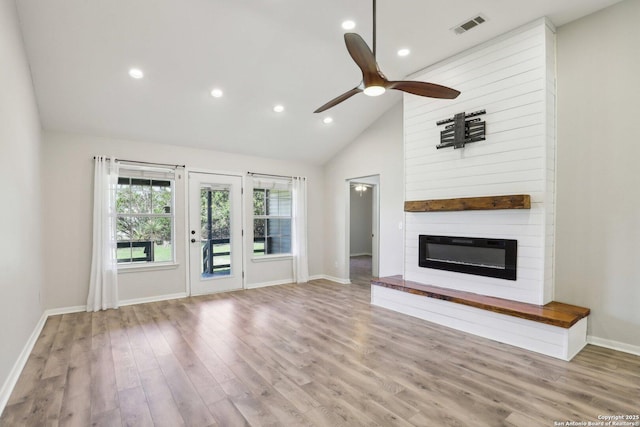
{"points": [[471, 255]]}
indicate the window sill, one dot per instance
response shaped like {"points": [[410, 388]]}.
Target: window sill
{"points": [[267, 258], [145, 267]]}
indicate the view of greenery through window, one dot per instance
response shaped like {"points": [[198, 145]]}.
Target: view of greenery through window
{"points": [[272, 221], [215, 231], [145, 220]]}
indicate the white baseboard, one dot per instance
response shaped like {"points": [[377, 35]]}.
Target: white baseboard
{"points": [[16, 370], [145, 300], [290, 281], [272, 283], [65, 310], [614, 345], [331, 279]]}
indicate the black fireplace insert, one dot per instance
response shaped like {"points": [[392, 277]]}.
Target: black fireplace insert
{"points": [[471, 255]]}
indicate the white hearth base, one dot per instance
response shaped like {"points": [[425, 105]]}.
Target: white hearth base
{"points": [[554, 341]]}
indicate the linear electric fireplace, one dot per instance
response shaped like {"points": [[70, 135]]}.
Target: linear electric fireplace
{"points": [[471, 255]]}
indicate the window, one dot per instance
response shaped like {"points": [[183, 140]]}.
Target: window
{"points": [[145, 222], [271, 218]]}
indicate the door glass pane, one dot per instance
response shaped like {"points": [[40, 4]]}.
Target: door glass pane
{"points": [[215, 231]]}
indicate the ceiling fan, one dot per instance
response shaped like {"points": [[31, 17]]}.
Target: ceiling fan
{"points": [[375, 83]]}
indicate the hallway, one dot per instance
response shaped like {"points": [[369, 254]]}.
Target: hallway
{"points": [[360, 269]]}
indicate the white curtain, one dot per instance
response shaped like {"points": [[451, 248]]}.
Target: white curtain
{"points": [[103, 285], [299, 230]]}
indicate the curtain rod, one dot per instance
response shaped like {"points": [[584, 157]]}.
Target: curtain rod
{"points": [[147, 163], [275, 176]]}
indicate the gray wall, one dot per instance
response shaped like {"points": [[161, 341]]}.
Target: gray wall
{"points": [[376, 151], [360, 226], [598, 208], [68, 195], [20, 216]]}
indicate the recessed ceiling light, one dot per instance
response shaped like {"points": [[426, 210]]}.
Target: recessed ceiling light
{"points": [[136, 73], [217, 93], [278, 108], [327, 120], [404, 52], [348, 25]]}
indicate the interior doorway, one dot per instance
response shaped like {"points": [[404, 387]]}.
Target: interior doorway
{"points": [[363, 228]]}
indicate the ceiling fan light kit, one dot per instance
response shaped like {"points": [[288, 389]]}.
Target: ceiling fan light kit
{"points": [[374, 83], [374, 90]]}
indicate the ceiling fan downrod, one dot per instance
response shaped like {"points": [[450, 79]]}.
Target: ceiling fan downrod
{"points": [[374, 28]]}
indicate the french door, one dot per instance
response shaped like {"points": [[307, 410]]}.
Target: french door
{"points": [[215, 232]]}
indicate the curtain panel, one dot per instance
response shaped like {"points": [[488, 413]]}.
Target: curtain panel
{"points": [[103, 283], [299, 230]]}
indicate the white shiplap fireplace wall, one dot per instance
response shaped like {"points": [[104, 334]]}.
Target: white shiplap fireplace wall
{"points": [[513, 79]]}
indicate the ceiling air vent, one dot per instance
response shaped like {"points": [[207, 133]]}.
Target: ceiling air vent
{"points": [[469, 24]]}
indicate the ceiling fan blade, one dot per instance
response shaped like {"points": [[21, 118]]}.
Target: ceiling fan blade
{"points": [[430, 90], [364, 59], [337, 100]]}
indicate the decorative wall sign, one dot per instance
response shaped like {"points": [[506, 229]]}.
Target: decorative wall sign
{"points": [[462, 131]]}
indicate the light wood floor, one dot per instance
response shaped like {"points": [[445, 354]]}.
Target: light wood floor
{"points": [[298, 355], [360, 269]]}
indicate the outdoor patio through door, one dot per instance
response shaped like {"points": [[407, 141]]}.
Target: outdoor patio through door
{"points": [[215, 232]]}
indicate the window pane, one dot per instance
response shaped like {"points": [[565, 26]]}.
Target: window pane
{"points": [[140, 229], [215, 222], [259, 206], [123, 231], [161, 197], [272, 232], [123, 196], [140, 196], [124, 251], [214, 213], [163, 251], [278, 236], [259, 230], [145, 221], [278, 202]]}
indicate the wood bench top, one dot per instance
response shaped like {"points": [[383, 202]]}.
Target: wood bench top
{"points": [[554, 313]]}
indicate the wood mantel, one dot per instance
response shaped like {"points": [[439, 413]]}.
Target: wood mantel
{"points": [[516, 201]]}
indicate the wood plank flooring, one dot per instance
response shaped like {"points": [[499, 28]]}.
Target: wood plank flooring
{"points": [[315, 354], [360, 269]]}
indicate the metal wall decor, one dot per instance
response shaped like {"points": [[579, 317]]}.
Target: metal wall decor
{"points": [[462, 131]]}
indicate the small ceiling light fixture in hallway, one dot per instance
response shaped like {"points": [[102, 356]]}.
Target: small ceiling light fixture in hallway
{"points": [[360, 188]]}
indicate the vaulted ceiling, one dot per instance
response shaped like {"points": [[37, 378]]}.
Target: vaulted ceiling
{"points": [[259, 52]]}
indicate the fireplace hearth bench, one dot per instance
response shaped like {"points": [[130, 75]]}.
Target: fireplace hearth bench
{"points": [[555, 329]]}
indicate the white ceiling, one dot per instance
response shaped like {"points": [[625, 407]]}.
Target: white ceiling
{"points": [[260, 52]]}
